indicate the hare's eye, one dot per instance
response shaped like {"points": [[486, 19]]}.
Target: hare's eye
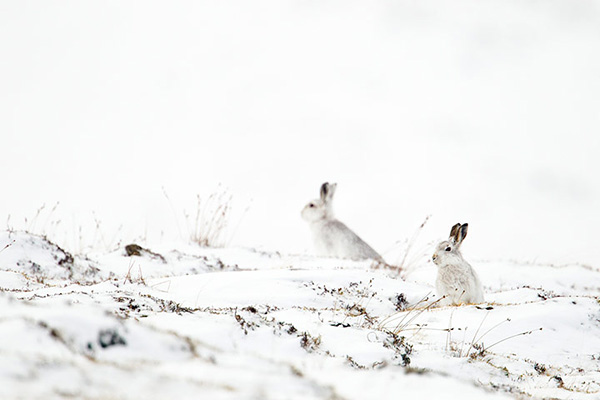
{"points": [[448, 248], [311, 205]]}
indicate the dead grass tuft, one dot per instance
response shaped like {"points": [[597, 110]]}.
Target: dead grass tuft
{"points": [[208, 226]]}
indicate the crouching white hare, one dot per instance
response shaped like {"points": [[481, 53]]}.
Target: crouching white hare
{"points": [[456, 279], [331, 237]]}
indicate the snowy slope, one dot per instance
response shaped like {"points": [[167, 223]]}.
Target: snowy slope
{"points": [[241, 324]]}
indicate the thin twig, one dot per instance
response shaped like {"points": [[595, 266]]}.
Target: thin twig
{"points": [[513, 336], [476, 332], [7, 246]]}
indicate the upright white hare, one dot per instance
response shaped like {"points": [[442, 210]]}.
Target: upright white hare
{"points": [[456, 279], [331, 237]]}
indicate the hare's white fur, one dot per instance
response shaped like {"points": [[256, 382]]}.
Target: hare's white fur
{"points": [[331, 237], [456, 279]]}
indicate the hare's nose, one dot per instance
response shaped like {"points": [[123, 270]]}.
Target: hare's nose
{"points": [[434, 257]]}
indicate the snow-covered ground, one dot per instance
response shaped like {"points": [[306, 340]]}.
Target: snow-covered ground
{"points": [[241, 324], [115, 115]]}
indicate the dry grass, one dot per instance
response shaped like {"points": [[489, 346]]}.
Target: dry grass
{"points": [[78, 237], [140, 278], [404, 320], [43, 222], [476, 347], [410, 257], [210, 224]]}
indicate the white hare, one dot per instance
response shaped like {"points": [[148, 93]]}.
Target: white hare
{"points": [[331, 237], [456, 279]]}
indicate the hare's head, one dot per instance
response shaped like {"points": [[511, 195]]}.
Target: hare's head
{"points": [[320, 208], [449, 249]]}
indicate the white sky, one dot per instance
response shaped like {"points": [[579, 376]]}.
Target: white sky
{"points": [[479, 112]]}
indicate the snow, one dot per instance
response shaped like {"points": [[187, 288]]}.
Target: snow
{"points": [[114, 116], [277, 326]]}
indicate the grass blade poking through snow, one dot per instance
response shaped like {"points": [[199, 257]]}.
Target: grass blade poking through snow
{"points": [[409, 315]]}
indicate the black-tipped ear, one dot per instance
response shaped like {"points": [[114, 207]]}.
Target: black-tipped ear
{"points": [[324, 191], [327, 191], [462, 233], [454, 232]]}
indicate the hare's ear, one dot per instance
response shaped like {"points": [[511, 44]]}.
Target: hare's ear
{"points": [[462, 233], [454, 233], [324, 190], [327, 191]]}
